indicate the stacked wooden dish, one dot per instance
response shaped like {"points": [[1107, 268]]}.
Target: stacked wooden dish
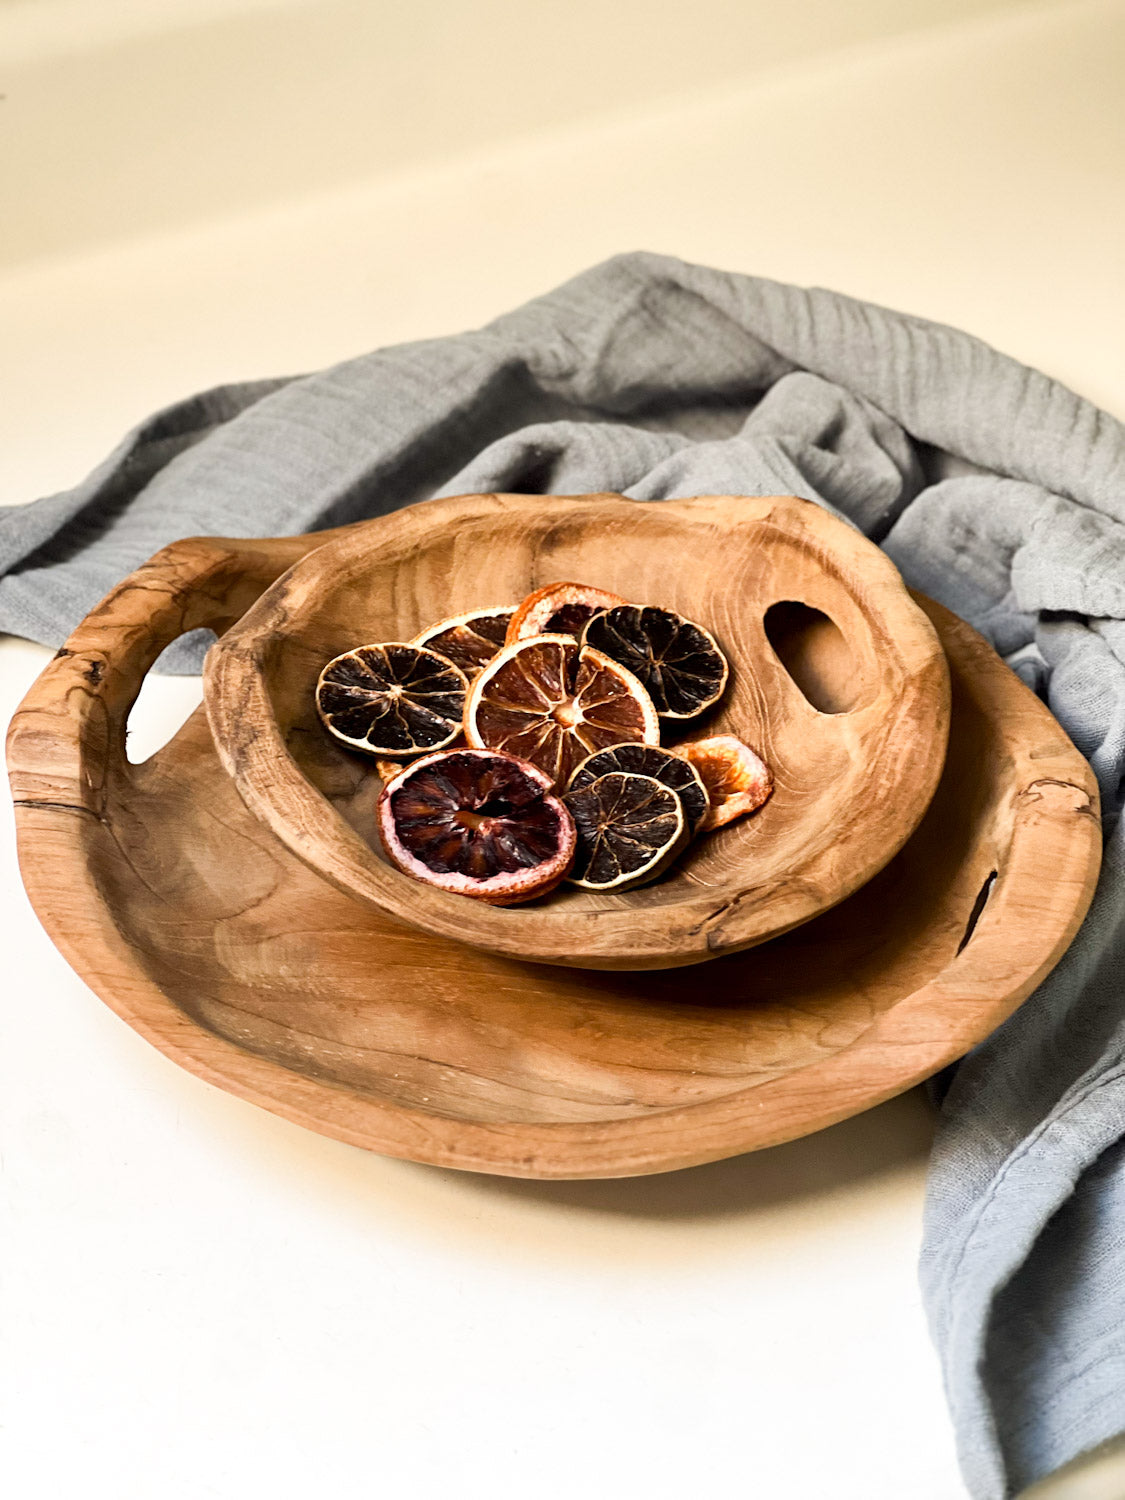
{"points": [[929, 852]]}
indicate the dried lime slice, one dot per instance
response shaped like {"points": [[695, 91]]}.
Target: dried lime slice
{"points": [[678, 662], [671, 770], [630, 829], [469, 640], [392, 699]]}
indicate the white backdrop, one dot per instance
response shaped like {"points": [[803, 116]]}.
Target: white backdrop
{"points": [[203, 1301]]}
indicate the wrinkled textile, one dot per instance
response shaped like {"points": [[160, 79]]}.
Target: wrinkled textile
{"points": [[993, 488]]}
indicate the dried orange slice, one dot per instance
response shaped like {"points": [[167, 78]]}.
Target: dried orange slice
{"points": [[558, 609], [679, 663], [393, 699], [737, 779], [554, 702], [630, 829], [471, 639], [671, 770], [478, 824]]}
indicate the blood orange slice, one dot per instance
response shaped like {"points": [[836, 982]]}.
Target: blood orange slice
{"points": [[392, 699], [558, 609], [630, 829], [554, 702], [471, 639], [679, 662], [737, 779], [478, 824], [671, 770]]}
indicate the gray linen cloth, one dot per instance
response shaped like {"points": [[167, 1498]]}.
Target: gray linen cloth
{"points": [[993, 488]]}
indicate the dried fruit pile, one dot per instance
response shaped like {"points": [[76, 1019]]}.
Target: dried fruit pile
{"points": [[520, 746]]}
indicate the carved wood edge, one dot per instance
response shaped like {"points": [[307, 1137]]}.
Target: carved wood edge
{"points": [[68, 735]]}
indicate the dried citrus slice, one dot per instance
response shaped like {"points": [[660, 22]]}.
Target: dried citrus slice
{"points": [[558, 609], [737, 779], [392, 699], [554, 702], [671, 770], [479, 824], [471, 639], [630, 829], [678, 662]]}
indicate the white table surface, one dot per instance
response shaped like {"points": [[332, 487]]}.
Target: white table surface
{"points": [[201, 1300]]}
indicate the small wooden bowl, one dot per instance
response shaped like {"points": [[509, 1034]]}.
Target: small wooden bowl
{"points": [[237, 961], [805, 607]]}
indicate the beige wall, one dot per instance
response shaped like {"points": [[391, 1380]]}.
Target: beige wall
{"points": [[124, 116]]}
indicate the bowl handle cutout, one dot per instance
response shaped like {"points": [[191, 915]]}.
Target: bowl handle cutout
{"points": [[817, 656], [66, 742]]}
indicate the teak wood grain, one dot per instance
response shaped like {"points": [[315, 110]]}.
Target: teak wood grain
{"points": [[230, 955], [850, 784]]}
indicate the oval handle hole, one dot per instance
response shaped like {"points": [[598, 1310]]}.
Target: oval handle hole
{"points": [[815, 652], [163, 707]]}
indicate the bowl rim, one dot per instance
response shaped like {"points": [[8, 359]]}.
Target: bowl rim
{"points": [[710, 922]]}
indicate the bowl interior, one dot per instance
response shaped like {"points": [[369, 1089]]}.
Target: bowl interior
{"points": [[837, 679]]}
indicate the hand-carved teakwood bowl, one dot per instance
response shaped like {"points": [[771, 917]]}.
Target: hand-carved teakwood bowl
{"points": [[793, 594], [230, 955]]}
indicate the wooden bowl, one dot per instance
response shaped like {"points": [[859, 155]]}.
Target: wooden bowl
{"points": [[838, 680], [212, 940]]}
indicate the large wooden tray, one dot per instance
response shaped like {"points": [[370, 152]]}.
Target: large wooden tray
{"points": [[229, 954]]}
